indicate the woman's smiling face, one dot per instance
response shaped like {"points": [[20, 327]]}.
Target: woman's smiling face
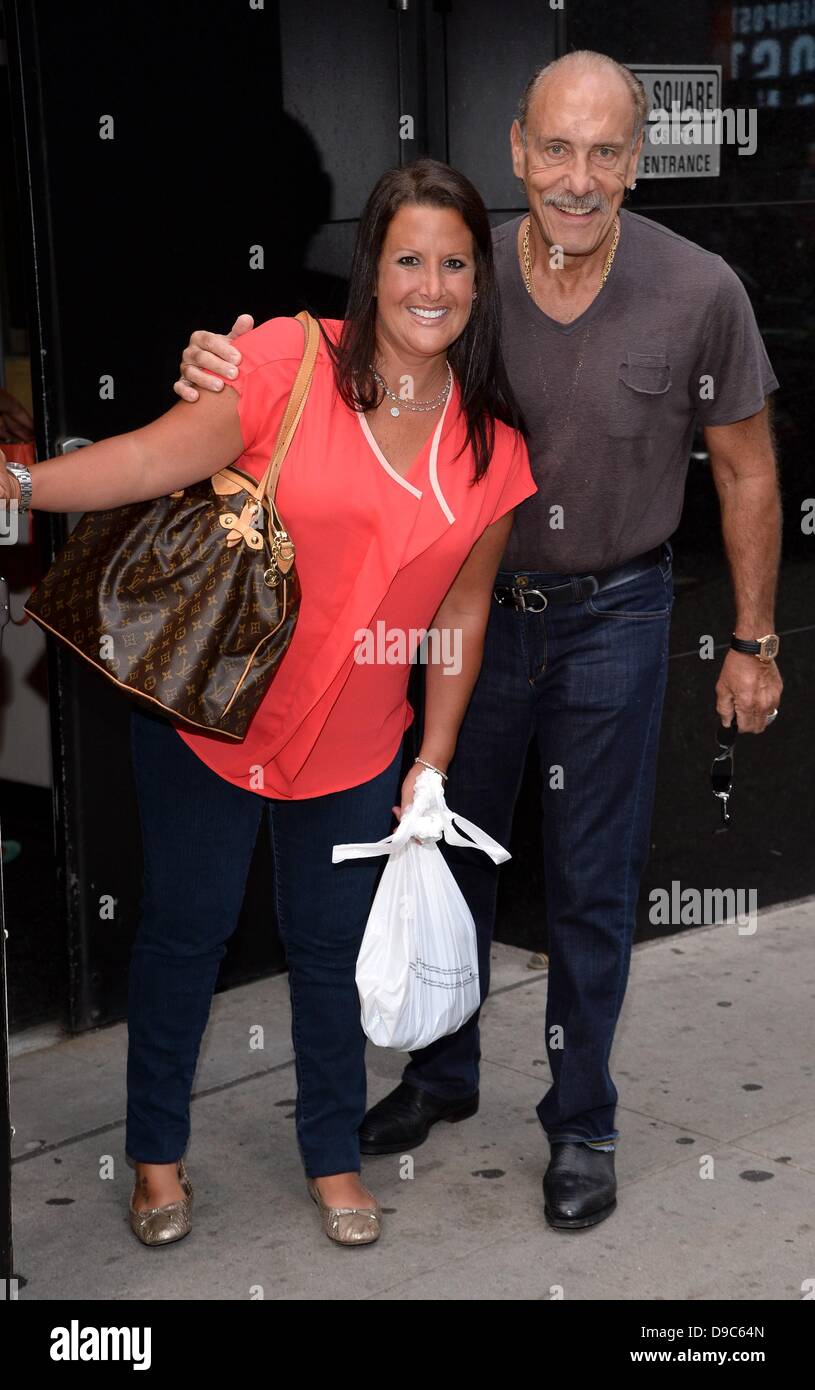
{"points": [[425, 281]]}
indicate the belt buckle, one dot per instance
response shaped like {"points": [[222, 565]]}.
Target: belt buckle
{"points": [[521, 600]]}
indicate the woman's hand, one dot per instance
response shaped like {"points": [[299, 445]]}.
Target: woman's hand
{"points": [[10, 490], [407, 790], [207, 353], [408, 785]]}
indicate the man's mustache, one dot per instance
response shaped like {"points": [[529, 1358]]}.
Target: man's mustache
{"points": [[593, 202]]}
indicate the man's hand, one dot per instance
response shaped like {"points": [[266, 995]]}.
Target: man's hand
{"points": [[742, 462], [750, 689], [207, 353]]}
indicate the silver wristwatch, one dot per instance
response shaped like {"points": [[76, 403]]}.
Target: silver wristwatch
{"points": [[23, 477]]}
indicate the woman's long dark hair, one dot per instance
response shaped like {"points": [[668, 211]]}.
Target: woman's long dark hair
{"points": [[475, 356]]}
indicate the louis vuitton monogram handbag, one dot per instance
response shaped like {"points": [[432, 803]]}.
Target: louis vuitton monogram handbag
{"points": [[188, 602]]}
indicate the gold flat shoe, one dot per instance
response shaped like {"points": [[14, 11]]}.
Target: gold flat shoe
{"points": [[161, 1225], [348, 1225]]}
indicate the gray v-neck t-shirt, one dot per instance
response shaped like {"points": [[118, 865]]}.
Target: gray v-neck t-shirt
{"points": [[612, 398]]}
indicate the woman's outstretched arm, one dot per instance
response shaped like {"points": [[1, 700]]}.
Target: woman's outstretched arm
{"points": [[188, 443]]}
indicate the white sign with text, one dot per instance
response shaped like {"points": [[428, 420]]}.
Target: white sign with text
{"points": [[684, 131]]}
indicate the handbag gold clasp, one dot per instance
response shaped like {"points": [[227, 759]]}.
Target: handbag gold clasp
{"points": [[282, 551]]}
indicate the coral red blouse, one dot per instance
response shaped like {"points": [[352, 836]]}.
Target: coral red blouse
{"points": [[371, 547]]}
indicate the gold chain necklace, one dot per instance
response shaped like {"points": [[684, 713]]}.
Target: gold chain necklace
{"points": [[528, 260]]}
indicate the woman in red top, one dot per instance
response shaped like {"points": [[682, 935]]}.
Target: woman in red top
{"points": [[398, 492]]}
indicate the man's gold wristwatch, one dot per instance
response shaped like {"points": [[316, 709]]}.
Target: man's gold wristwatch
{"points": [[765, 648]]}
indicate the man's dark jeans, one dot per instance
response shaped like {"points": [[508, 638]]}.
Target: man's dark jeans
{"points": [[588, 679]]}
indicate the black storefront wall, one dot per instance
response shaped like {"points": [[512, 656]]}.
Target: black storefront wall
{"points": [[132, 241], [235, 128]]}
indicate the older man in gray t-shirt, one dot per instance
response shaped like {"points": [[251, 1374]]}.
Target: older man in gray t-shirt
{"points": [[618, 336]]}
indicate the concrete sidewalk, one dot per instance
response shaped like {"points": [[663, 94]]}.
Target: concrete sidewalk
{"points": [[714, 1059]]}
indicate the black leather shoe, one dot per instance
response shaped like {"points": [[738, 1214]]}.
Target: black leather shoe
{"points": [[403, 1119], [579, 1186]]}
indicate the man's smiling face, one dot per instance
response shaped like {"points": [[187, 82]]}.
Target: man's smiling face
{"points": [[578, 157]]}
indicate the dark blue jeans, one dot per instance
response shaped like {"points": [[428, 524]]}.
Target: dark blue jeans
{"points": [[587, 679], [198, 834]]}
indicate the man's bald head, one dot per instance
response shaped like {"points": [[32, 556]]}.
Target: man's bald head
{"points": [[576, 64]]}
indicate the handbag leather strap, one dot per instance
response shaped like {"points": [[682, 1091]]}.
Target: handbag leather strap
{"points": [[294, 408]]}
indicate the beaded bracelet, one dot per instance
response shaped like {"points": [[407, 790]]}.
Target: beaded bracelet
{"points": [[443, 775]]}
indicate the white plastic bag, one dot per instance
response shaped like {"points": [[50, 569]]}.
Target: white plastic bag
{"points": [[417, 969]]}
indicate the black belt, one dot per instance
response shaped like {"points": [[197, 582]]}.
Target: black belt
{"points": [[575, 589]]}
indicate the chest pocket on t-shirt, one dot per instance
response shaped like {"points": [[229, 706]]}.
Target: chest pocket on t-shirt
{"points": [[643, 382]]}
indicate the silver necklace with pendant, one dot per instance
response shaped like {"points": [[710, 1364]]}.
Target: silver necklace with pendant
{"points": [[406, 403]]}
